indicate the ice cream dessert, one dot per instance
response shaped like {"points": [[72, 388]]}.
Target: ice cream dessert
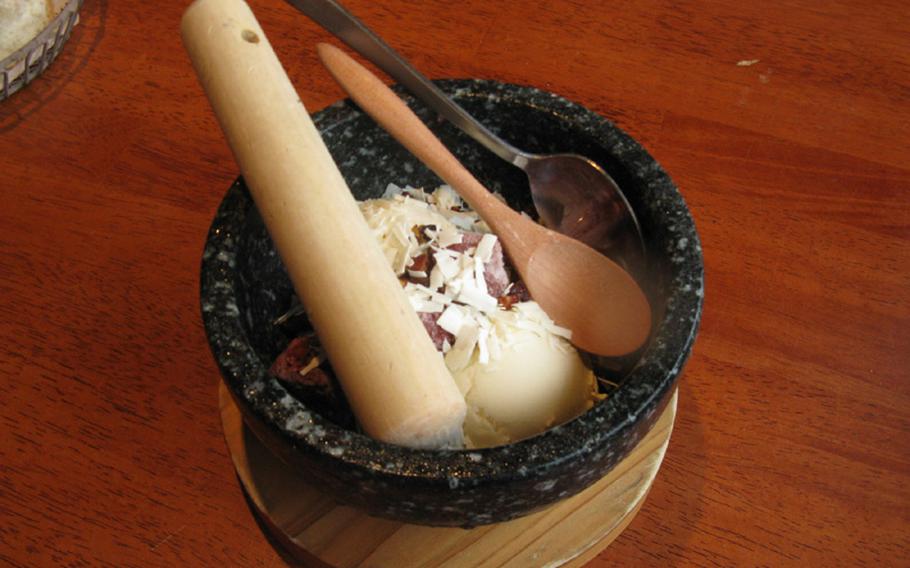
{"points": [[516, 368], [21, 20]]}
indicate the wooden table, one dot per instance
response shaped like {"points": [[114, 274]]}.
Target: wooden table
{"points": [[785, 124]]}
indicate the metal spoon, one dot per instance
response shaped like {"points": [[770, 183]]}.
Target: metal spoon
{"points": [[572, 194]]}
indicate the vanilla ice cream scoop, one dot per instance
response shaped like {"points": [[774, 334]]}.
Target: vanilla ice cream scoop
{"points": [[538, 382], [515, 367]]}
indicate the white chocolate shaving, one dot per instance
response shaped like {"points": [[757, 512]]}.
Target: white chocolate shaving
{"points": [[485, 247]]}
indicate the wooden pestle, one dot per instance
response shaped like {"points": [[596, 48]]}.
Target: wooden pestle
{"points": [[394, 379]]}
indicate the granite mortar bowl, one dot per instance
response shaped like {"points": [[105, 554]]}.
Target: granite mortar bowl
{"points": [[244, 288]]}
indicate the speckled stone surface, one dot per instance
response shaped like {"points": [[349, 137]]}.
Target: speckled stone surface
{"points": [[244, 287]]}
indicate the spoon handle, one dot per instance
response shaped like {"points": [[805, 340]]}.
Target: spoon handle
{"points": [[334, 18], [386, 108]]}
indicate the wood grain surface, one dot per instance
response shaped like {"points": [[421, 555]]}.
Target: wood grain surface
{"points": [[316, 529], [785, 123]]}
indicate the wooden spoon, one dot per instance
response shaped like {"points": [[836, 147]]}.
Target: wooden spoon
{"points": [[577, 286]]}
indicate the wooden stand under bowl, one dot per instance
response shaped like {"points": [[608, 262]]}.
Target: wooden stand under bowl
{"points": [[315, 529]]}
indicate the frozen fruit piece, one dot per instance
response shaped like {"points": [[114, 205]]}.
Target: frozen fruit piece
{"points": [[436, 333], [494, 270], [306, 373]]}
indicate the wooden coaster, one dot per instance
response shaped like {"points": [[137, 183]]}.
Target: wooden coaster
{"points": [[314, 527]]}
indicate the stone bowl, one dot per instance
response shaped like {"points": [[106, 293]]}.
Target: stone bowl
{"points": [[244, 287]]}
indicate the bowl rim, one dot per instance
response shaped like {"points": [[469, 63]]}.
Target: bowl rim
{"points": [[665, 355]]}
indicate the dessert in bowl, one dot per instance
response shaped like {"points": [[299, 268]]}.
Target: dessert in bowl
{"points": [[244, 288], [32, 34]]}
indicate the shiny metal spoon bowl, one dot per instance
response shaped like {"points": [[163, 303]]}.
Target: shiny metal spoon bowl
{"points": [[572, 194]]}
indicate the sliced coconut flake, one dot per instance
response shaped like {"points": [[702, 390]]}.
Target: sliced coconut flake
{"points": [[441, 298], [532, 326], [485, 247], [401, 235], [472, 295], [466, 274], [446, 198], [446, 345], [415, 193], [462, 221], [436, 278], [449, 236], [533, 311], [483, 355], [559, 331], [452, 319], [417, 274], [415, 301], [391, 191], [431, 307], [401, 263], [453, 287], [479, 280], [446, 264], [423, 290], [453, 254], [465, 340], [419, 201]]}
